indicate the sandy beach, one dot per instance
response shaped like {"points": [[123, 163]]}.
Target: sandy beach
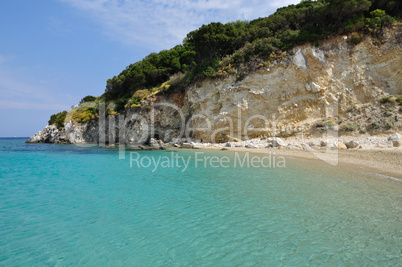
{"points": [[374, 154], [386, 162]]}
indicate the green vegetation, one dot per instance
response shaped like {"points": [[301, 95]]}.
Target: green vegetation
{"points": [[216, 49], [138, 97], [330, 124], [349, 127], [58, 119], [83, 113], [152, 71], [237, 48], [88, 98], [211, 49], [356, 38], [399, 100], [386, 100]]}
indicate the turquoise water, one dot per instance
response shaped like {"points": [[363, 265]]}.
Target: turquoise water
{"points": [[63, 205]]}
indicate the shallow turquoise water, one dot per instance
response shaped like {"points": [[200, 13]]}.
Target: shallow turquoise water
{"points": [[69, 205]]}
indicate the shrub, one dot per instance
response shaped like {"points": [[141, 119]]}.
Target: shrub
{"points": [[237, 58], [375, 125], [379, 19], [240, 76], [58, 119], [387, 100], [141, 94], [264, 47], [356, 38], [330, 123], [84, 115], [88, 98], [399, 100], [351, 108], [388, 113], [349, 127], [209, 72]]}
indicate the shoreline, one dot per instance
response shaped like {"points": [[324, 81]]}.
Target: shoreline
{"points": [[383, 162], [374, 154]]}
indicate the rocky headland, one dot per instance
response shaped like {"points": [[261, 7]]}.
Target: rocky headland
{"points": [[338, 89], [338, 96]]}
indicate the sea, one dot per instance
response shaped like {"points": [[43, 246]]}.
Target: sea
{"points": [[70, 205]]}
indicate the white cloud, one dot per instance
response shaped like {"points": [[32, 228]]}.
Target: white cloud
{"points": [[283, 3], [161, 24]]}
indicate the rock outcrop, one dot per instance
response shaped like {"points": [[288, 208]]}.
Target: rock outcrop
{"points": [[396, 139], [311, 92]]}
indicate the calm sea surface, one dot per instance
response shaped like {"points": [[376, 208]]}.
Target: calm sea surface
{"points": [[65, 205]]}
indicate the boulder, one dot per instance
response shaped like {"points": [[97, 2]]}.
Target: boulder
{"points": [[323, 143], [306, 147], [187, 145], [341, 146], [396, 139], [277, 142], [312, 144], [154, 143], [228, 144], [239, 144], [351, 144]]}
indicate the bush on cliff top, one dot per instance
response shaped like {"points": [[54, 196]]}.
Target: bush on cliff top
{"points": [[88, 98], [58, 119], [203, 49], [214, 50]]}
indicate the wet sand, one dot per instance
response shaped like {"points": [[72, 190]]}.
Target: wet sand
{"points": [[387, 162]]}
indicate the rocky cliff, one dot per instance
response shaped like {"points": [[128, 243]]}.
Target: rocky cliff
{"points": [[335, 86]]}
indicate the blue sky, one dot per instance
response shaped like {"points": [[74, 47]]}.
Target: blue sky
{"points": [[54, 52]]}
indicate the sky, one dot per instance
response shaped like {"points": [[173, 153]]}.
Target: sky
{"points": [[55, 52]]}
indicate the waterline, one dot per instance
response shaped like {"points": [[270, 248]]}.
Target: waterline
{"points": [[65, 205]]}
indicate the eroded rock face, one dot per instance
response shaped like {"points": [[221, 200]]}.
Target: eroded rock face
{"points": [[314, 83], [309, 84], [47, 135]]}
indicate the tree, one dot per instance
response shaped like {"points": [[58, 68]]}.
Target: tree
{"points": [[88, 98], [58, 119]]}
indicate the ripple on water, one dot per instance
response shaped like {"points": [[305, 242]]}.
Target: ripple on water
{"points": [[76, 206]]}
